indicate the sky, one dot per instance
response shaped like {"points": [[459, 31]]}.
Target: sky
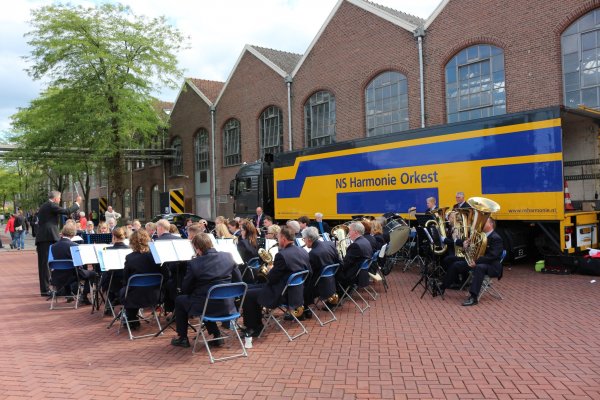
{"points": [[218, 31]]}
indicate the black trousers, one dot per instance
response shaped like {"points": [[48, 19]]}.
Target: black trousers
{"points": [[479, 272], [183, 305], [252, 309], [459, 266], [43, 249]]}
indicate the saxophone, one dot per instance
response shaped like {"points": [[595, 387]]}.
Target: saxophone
{"points": [[481, 209]]}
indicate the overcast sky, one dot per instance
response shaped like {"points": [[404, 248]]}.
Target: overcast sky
{"points": [[218, 31]]}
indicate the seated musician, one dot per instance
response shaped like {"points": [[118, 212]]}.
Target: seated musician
{"points": [[151, 229], [488, 264], [209, 268], [295, 227], [140, 261], [272, 232], [111, 281], [377, 232], [321, 255], [460, 201], [431, 204], [370, 238], [61, 250], [234, 228], [221, 232], [288, 260], [103, 227], [177, 269], [268, 221], [322, 226], [89, 228], [193, 230], [247, 244], [359, 251]]}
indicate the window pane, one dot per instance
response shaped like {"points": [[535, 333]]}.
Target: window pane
{"points": [[590, 97], [387, 106]]}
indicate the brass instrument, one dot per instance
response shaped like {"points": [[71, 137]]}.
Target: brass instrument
{"points": [[339, 233], [333, 299], [439, 224], [481, 210], [462, 222], [298, 312], [267, 263]]}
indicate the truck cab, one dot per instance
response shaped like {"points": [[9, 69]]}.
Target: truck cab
{"points": [[251, 188]]}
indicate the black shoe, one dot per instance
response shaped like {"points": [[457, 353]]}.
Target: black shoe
{"points": [[180, 342], [455, 286], [307, 313], [253, 332], [471, 301], [218, 340]]}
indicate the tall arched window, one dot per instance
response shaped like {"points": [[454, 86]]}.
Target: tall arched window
{"points": [[177, 162], [155, 200], [271, 131], [232, 151], [475, 83], [580, 45], [386, 104], [139, 204], [319, 119], [126, 204], [201, 150]]}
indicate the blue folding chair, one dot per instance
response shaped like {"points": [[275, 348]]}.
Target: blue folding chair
{"points": [[360, 281], [295, 280], [61, 270], [328, 272], [252, 266], [151, 283], [223, 292]]}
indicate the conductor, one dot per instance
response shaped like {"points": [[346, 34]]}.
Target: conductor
{"points": [[47, 233]]}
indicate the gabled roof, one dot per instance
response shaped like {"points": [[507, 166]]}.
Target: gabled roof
{"points": [[435, 13], [283, 59], [279, 61], [210, 89], [398, 18]]}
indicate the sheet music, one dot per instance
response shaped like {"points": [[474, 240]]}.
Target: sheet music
{"points": [[112, 259], [184, 249], [228, 246], [212, 239], [163, 251], [84, 254], [300, 243]]}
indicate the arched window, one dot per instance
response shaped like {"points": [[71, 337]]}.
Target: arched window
{"points": [[232, 153], [201, 150], [126, 204], [177, 162], [319, 119], [155, 200], [580, 45], [139, 204], [386, 104], [475, 83], [271, 131]]}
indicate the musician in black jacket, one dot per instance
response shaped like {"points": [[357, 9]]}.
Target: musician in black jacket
{"points": [[322, 226], [140, 261], [321, 255], [460, 201], [112, 280], [359, 251], [177, 269], [47, 233], [209, 268], [61, 250], [247, 244], [288, 260], [488, 264]]}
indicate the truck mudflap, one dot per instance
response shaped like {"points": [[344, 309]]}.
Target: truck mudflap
{"points": [[579, 231]]}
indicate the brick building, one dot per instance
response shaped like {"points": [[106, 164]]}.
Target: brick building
{"points": [[360, 77]]}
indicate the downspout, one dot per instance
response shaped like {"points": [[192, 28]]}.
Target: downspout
{"points": [[288, 81], [419, 34], [213, 162]]}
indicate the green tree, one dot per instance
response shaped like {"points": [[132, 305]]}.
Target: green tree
{"points": [[102, 63]]}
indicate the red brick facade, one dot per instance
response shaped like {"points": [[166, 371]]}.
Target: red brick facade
{"points": [[356, 45]]}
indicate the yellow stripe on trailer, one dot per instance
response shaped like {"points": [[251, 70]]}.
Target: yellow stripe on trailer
{"points": [[176, 201]]}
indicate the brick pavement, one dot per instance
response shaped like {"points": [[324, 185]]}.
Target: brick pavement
{"points": [[541, 341]]}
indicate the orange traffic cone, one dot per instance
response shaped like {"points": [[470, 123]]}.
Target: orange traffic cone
{"points": [[568, 205]]}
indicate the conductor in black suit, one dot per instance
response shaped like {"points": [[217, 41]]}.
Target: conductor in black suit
{"points": [[47, 233], [288, 260], [140, 261], [321, 255], [488, 264], [460, 201], [209, 268], [359, 251]]}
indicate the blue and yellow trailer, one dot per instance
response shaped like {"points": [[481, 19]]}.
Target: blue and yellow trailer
{"points": [[518, 160]]}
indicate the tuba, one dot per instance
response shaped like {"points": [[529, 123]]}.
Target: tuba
{"points": [[481, 210], [438, 226], [339, 233], [463, 218]]}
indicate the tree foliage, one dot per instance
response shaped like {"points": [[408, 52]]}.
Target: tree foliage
{"points": [[102, 64]]}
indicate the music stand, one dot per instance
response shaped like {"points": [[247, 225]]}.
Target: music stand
{"points": [[90, 238], [430, 269], [418, 240]]}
